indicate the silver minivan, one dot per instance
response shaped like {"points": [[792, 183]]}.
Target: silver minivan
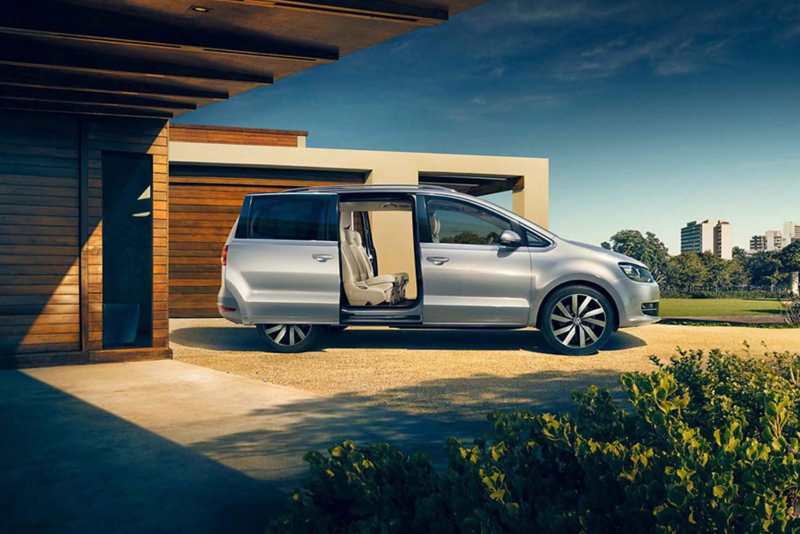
{"points": [[305, 263]]}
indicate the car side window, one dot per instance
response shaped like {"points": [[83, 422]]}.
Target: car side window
{"points": [[463, 223], [301, 218]]}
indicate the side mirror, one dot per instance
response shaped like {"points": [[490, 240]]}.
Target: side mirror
{"points": [[510, 238]]}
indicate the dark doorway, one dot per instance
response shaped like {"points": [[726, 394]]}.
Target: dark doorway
{"points": [[127, 250]]}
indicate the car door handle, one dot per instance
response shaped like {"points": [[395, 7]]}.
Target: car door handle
{"points": [[322, 258], [438, 260]]}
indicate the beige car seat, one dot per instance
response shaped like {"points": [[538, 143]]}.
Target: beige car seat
{"points": [[362, 292], [360, 252]]}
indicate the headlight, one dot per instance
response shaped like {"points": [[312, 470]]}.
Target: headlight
{"points": [[637, 273]]}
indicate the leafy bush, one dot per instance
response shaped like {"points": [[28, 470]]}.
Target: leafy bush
{"points": [[711, 445]]}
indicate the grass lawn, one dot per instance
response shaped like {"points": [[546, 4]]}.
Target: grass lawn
{"points": [[717, 307]]}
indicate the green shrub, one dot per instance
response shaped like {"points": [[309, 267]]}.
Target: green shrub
{"points": [[710, 445]]}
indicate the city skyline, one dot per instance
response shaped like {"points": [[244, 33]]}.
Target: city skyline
{"points": [[775, 240]]}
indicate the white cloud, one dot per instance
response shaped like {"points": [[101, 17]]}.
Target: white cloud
{"points": [[587, 39]]}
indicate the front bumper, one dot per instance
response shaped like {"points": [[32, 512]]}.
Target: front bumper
{"points": [[638, 301]]}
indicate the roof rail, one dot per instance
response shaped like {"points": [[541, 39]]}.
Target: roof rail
{"points": [[368, 186]]}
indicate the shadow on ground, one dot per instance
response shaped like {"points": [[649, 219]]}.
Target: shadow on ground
{"points": [[69, 467], [245, 339]]}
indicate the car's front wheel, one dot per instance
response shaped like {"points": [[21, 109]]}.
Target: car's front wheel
{"points": [[577, 320], [289, 337]]}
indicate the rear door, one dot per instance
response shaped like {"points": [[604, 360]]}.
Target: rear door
{"points": [[283, 264], [468, 277]]}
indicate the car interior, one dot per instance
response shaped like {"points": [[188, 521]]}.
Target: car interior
{"points": [[363, 284]]}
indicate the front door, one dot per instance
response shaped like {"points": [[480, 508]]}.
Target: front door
{"points": [[283, 267], [468, 277]]}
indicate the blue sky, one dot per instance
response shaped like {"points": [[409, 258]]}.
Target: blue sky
{"points": [[652, 113]]}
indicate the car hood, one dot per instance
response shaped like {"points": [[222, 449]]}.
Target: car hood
{"points": [[610, 253]]}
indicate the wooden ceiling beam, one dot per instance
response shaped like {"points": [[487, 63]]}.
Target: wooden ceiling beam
{"points": [[51, 79], [511, 184], [83, 109], [57, 21], [66, 96], [382, 10], [29, 53]]}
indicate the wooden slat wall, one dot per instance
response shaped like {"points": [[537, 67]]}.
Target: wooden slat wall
{"points": [[140, 137], [39, 214], [190, 133]]}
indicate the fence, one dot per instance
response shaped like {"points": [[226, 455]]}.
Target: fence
{"points": [[730, 292]]}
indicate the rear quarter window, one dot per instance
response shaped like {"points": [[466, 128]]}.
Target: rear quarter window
{"points": [[290, 218]]}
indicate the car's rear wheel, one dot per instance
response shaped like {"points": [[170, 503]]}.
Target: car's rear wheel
{"points": [[289, 337], [577, 320]]}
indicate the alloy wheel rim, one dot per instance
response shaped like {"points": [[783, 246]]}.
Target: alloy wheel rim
{"points": [[287, 335], [578, 321]]}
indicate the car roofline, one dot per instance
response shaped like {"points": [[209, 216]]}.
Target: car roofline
{"points": [[367, 187], [400, 188]]}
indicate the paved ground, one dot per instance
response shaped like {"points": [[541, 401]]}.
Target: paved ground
{"points": [[169, 447], [456, 375]]}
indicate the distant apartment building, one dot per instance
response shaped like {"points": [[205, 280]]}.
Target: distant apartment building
{"points": [[758, 243], [711, 235], [791, 233], [774, 240]]}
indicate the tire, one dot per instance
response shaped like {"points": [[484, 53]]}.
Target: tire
{"points": [[582, 333], [289, 338]]}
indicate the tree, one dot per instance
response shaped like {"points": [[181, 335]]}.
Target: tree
{"points": [[738, 253], [766, 269], [648, 249], [738, 273], [687, 272], [790, 261], [717, 274]]}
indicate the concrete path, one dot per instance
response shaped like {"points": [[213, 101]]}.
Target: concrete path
{"points": [[170, 447]]}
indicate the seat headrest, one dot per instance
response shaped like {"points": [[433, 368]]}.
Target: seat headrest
{"points": [[435, 225], [357, 239], [348, 236]]}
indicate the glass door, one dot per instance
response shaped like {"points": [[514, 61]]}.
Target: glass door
{"points": [[127, 250]]}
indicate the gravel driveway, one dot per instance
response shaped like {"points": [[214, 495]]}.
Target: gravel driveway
{"points": [[451, 374]]}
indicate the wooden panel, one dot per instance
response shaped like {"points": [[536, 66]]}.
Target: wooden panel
{"points": [[51, 207], [39, 213], [189, 133]]}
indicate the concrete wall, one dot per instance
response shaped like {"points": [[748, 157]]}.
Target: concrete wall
{"points": [[394, 243]]}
